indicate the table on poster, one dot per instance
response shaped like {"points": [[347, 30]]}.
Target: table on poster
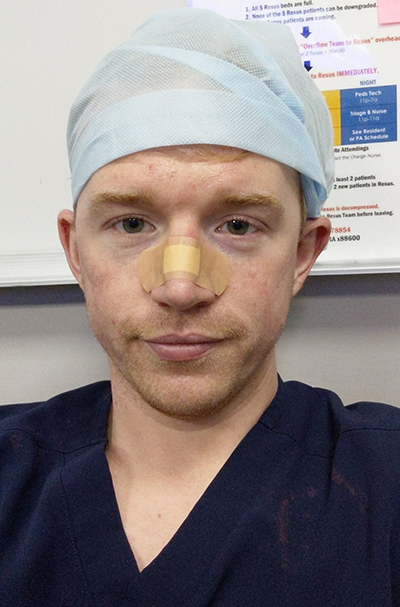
{"points": [[350, 50]]}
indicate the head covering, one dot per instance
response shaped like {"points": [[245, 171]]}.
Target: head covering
{"points": [[190, 76]]}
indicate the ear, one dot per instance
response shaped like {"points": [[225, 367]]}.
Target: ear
{"points": [[313, 240], [67, 235]]}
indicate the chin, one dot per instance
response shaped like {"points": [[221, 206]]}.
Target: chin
{"points": [[187, 398], [195, 389]]}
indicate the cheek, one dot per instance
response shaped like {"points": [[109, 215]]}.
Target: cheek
{"points": [[109, 287], [269, 280], [261, 300]]}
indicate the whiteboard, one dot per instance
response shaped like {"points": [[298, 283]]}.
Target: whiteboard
{"points": [[48, 49], [350, 50]]}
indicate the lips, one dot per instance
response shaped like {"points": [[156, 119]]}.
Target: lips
{"points": [[179, 348]]}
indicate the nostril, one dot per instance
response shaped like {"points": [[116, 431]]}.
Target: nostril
{"points": [[182, 294]]}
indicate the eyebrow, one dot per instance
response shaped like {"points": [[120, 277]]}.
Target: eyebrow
{"points": [[103, 200], [246, 200]]}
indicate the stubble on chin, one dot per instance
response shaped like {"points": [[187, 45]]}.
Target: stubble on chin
{"points": [[185, 390]]}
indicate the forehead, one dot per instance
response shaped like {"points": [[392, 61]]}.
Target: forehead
{"points": [[210, 169]]}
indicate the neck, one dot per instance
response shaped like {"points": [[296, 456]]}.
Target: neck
{"points": [[161, 466], [146, 443]]}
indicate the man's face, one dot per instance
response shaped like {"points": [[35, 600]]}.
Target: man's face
{"points": [[180, 348]]}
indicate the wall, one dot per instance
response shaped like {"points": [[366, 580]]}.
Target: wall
{"points": [[343, 333]]}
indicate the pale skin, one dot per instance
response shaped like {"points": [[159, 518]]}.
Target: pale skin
{"points": [[191, 372]]}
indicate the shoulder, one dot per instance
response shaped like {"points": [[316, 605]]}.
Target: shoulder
{"points": [[357, 446], [319, 421], [64, 422], [362, 415]]}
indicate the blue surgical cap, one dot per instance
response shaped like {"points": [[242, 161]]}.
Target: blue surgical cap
{"points": [[191, 76]]}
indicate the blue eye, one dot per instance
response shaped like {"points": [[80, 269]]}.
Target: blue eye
{"points": [[238, 227], [132, 225]]}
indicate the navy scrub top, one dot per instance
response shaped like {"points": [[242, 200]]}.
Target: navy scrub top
{"points": [[305, 512]]}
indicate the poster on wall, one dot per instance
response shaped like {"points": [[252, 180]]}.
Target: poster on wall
{"points": [[351, 51]]}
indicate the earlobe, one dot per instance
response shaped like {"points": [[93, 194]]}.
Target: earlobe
{"points": [[312, 242], [67, 235]]}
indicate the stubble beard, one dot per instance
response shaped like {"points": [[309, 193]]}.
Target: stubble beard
{"points": [[192, 389]]}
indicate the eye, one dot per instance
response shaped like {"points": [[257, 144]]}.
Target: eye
{"points": [[131, 225], [238, 226]]}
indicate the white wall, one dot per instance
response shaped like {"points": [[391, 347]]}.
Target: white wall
{"points": [[343, 333]]}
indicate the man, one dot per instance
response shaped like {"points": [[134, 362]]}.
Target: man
{"points": [[197, 477]]}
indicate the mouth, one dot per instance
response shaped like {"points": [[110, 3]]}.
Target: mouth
{"points": [[179, 348]]}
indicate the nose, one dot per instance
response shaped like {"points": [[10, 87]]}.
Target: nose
{"points": [[182, 294]]}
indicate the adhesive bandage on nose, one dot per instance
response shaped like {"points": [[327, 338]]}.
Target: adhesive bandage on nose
{"points": [[184, 257]]}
